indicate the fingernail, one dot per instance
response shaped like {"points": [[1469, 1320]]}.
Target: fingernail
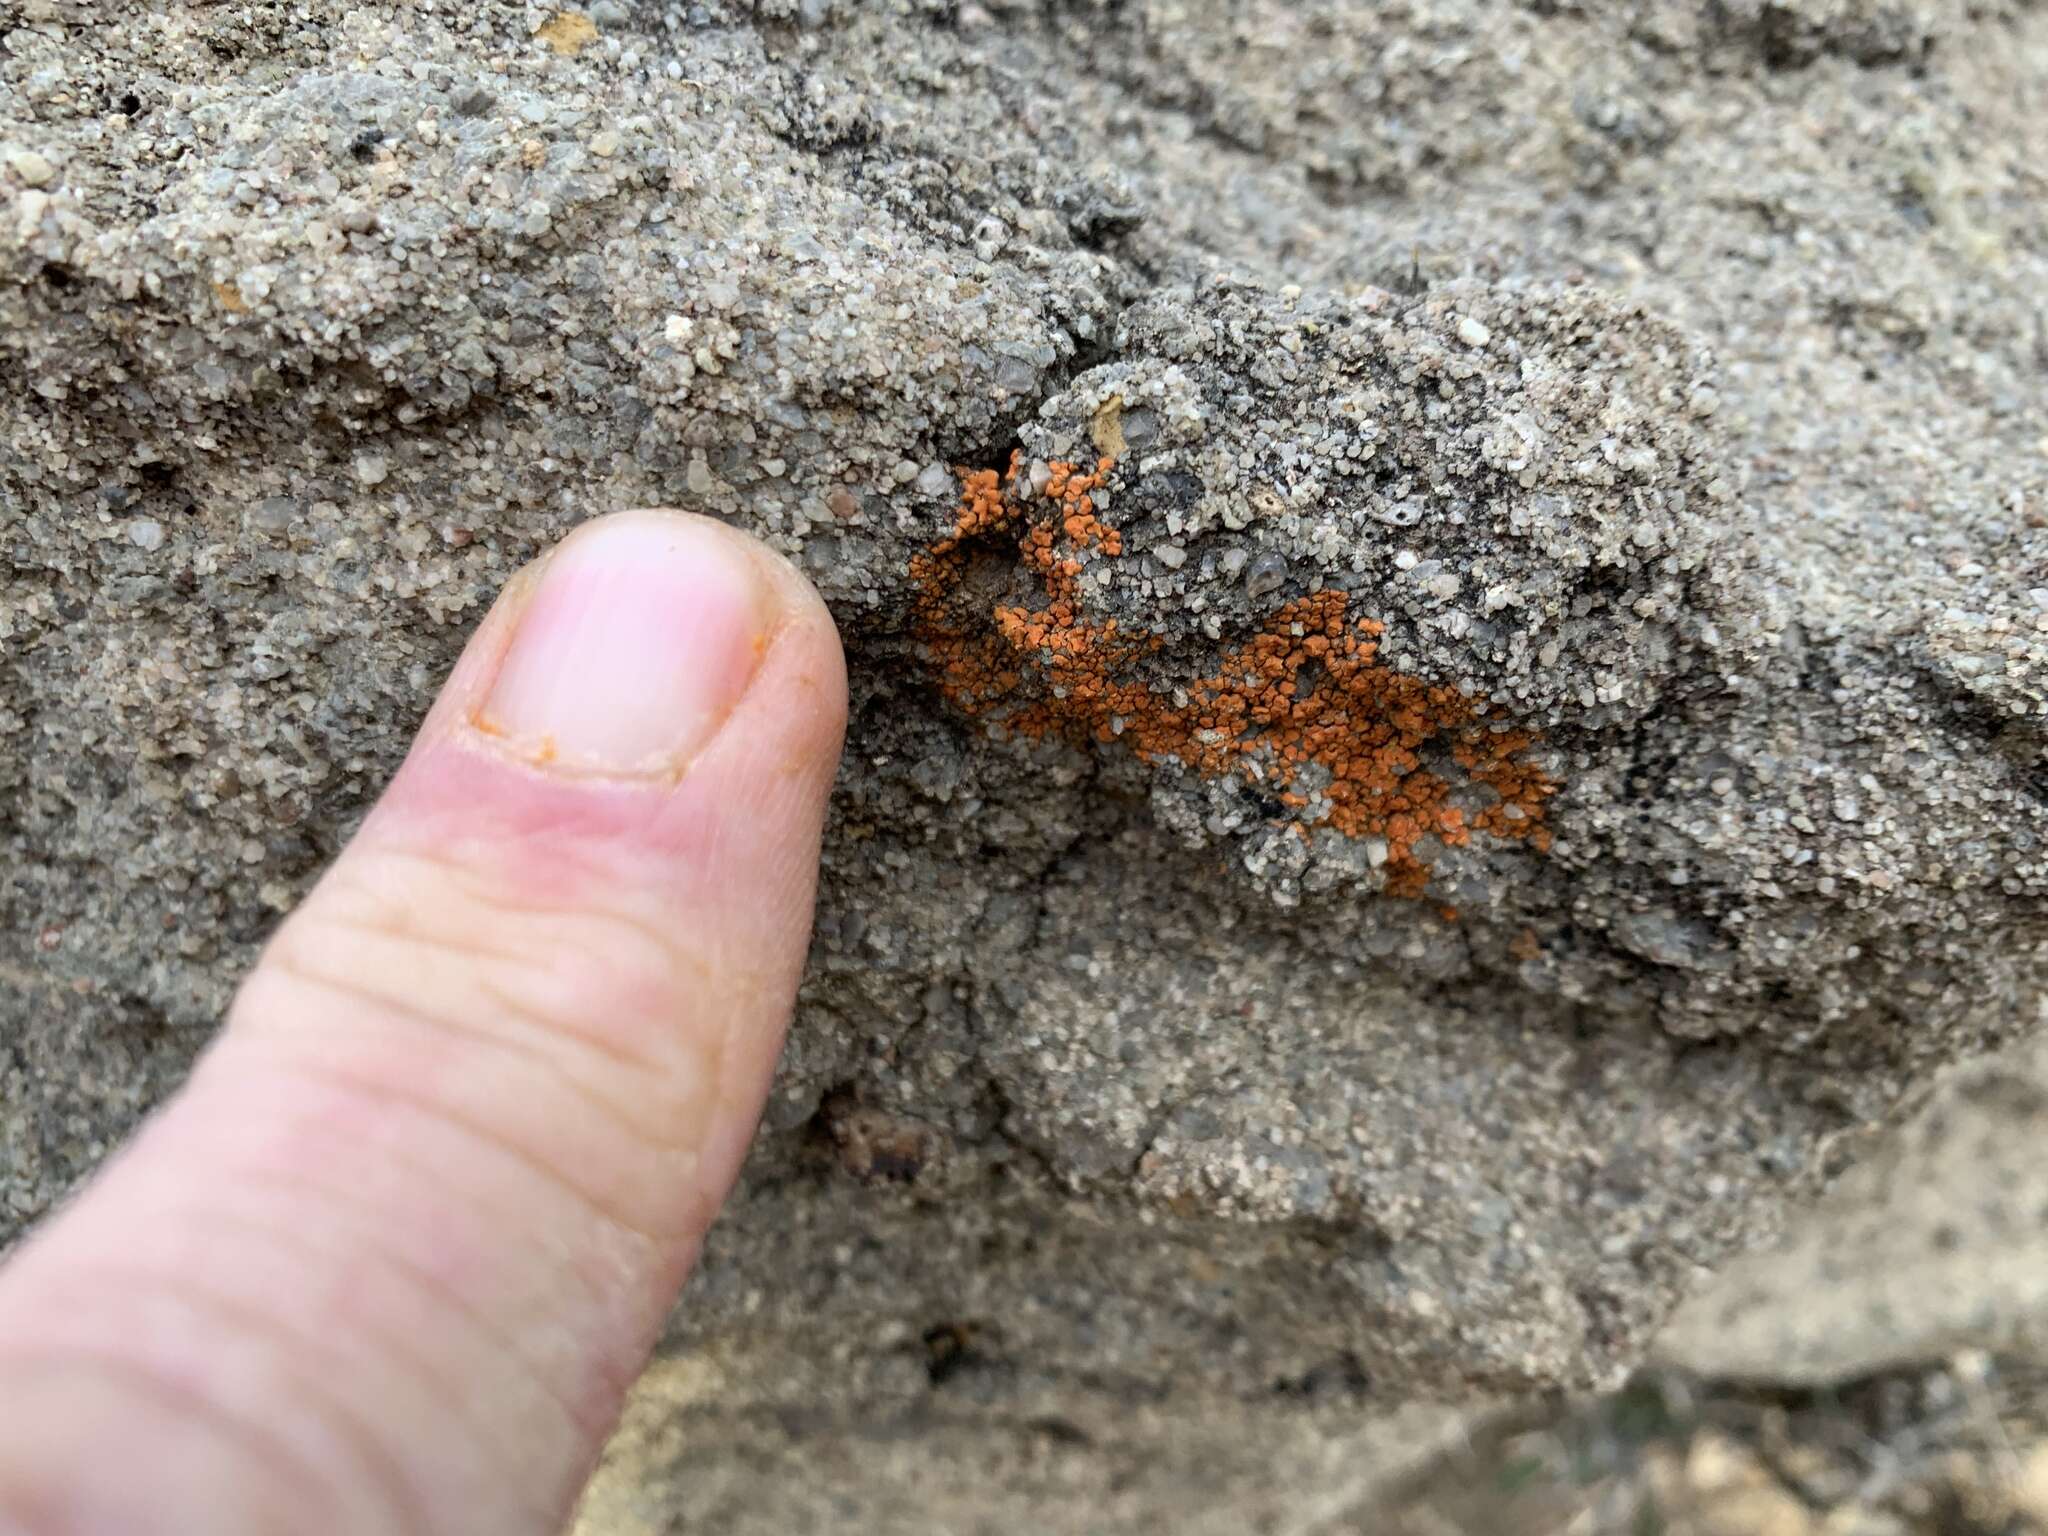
{"points": [[643, 635]]}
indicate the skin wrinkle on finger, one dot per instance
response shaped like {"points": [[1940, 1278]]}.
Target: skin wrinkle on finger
{"points": [[693, 959], [412, 984], [586, 1236], [547, 996], [589, 1235], [251, 1231], [174, 1288], [398, 928], [389, 1093], [534, 1021], [153, 1308], [379, 896], [449, 1306], [262, 1450], [543, 1274], [563, 1138], [404, 1024], [249, 1235], [730, 942], [323, 1131], [549, 950]]}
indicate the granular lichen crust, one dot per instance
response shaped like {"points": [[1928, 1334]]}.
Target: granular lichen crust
{"points": [[1302, 709]]}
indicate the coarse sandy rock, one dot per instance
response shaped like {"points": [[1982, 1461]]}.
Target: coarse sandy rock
{"points": [[1663, 382]]}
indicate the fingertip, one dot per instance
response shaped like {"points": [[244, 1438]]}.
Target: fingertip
{"points": [[485, 1091], [656, 669]]}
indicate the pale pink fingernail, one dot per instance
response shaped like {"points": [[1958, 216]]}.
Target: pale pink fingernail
{"points": [[643, 635]]}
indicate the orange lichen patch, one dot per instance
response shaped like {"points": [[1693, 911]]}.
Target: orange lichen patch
{"points": [[1303, 708]]}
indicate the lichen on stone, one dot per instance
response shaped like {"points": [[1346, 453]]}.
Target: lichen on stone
{"points": [[1302, 708]]}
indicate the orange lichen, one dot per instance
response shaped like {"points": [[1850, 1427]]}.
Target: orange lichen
{"points": [[1303, 707]]}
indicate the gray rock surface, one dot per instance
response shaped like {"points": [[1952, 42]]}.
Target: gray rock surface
{"points": [[1664, 381], [1932, 1244]]}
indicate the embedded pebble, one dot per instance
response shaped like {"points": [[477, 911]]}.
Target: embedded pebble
{"points": [[33, 168], [1268, 573]]}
